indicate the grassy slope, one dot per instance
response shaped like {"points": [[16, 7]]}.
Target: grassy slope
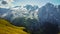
{"points": [[7, 28], [59, 33]]}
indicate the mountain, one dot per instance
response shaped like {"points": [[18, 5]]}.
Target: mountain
{"points": [[4, 10], [59, 6], [17, 11], [49, 13], [7, 28], [6, 13], [45, 11], [31, 8], [12, 13]]}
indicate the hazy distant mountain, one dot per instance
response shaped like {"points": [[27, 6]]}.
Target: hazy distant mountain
{"points": [[4, 10]]}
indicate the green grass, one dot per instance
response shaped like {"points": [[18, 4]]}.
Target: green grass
{"points": [[58, 33], [7, 28]]}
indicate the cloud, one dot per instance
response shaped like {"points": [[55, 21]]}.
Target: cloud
{"points": [[6, 3], [9, 1]]}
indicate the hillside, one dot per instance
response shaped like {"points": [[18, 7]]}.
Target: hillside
{"points": [[7, 28]]}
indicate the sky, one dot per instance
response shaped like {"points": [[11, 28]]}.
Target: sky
{"points": [[40, 3]]}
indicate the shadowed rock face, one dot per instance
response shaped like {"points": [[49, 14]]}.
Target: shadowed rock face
{"points": [[49, 17], [49, 13], [49, 28]]}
